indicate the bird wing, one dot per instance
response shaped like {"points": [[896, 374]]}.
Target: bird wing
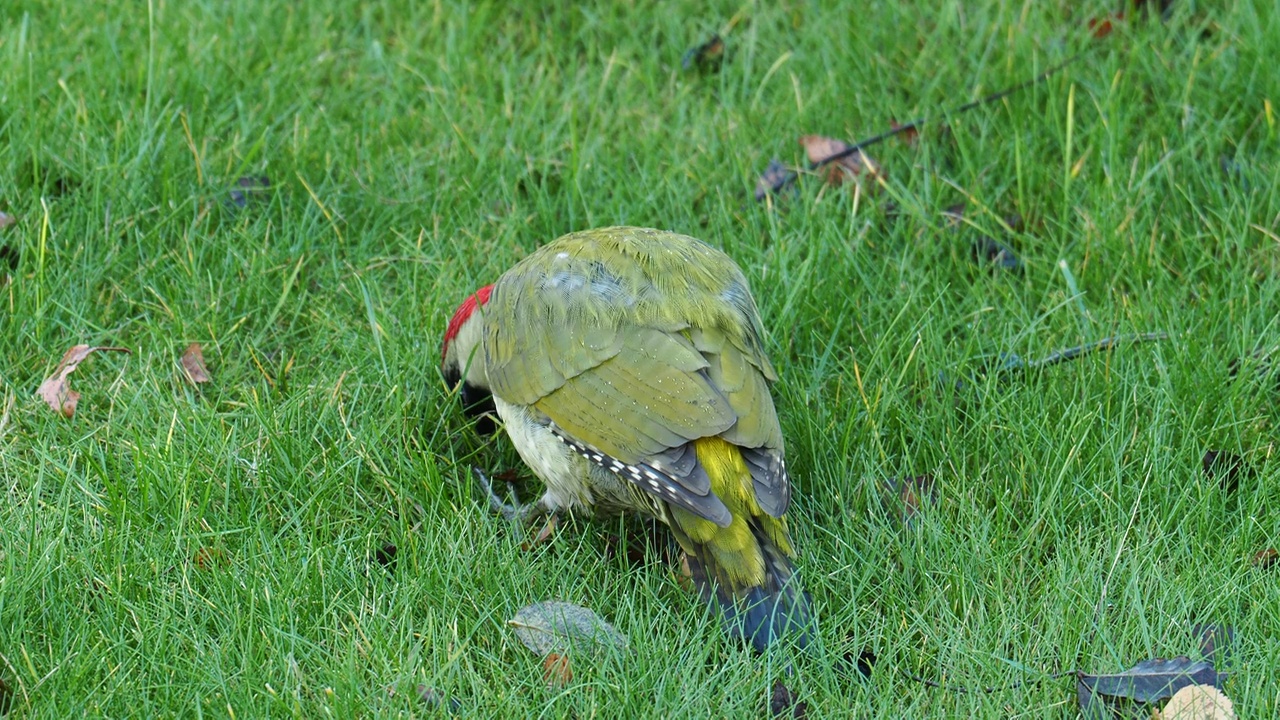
{"points": [[634, 343]]}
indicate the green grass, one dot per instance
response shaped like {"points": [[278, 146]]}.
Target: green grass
{"points": [[172, 551]]}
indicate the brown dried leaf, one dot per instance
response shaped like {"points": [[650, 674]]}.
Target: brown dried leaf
{"points": [[911, 494], [910, 136], [850, 167], [1266, 559], [556, 670], [193, 363], [544, 534], [56, 389], [6, 220], [208, 558], [1198, 702], [707, 55]]}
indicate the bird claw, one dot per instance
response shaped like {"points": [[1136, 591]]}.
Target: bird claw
{"points": [[517, 513]]}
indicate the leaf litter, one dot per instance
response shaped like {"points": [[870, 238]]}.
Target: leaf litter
{"points": [[557, 626], [56, 389], [193, 363]]}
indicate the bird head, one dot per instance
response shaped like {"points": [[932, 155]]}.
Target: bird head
{"points": [[462, 358]]}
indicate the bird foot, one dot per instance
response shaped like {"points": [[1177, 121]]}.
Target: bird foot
{"points": [[514, 512]]}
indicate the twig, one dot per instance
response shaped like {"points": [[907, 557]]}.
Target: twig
{"points": [[791, 175], [1072, 353]]}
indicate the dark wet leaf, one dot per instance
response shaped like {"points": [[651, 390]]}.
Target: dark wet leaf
{"points": [[993, 252], [987, 250], [783, 703], [864, 662], [9, 256], [774, 179], [706, 56], [1216, 643], [386, 557], [1235, 173], [433, 699], [1227, 468], [953, 214], [1262, 363], [251, 189], [556, 626], [1149, 681]]}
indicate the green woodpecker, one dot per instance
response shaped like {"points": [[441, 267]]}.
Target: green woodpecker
{"points": [[627, 366]]}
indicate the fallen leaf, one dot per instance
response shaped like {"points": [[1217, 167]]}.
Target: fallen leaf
{"points": [[987, 250], [386, 557], [707, 55], [9, 256], [774, 179], [1261, 361], [783, 703], [864, 663], [6, 220], [56, 389], [909, 136], [911, 494], [556, 671], [1148, 682], [1235, 173], [544, 534], [993, 252], [1102, 27], [1216, 642], [208, 558], [432, 698], [193, 363], [1226, 468], [821, 150], [249, 189], [1266, 559], [954, 214], [1198, 702], [556, 626]]}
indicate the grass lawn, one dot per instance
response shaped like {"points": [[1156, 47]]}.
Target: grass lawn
{"points": [[217, 551]]}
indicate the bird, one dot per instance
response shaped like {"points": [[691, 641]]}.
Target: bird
{"points": [[627, 366]]}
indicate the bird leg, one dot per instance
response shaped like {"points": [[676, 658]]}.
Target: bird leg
{"points": [[524, 515]]}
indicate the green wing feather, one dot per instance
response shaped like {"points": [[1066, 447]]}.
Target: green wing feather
{"points": [[635, 342]]}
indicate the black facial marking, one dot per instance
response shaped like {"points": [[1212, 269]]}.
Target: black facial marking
{"points": [[478, 403]]}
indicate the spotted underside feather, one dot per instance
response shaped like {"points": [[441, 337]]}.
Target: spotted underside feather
{"points": [[633, 359]]}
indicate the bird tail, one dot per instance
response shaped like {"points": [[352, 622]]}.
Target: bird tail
{"points": [[759, 613]]}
